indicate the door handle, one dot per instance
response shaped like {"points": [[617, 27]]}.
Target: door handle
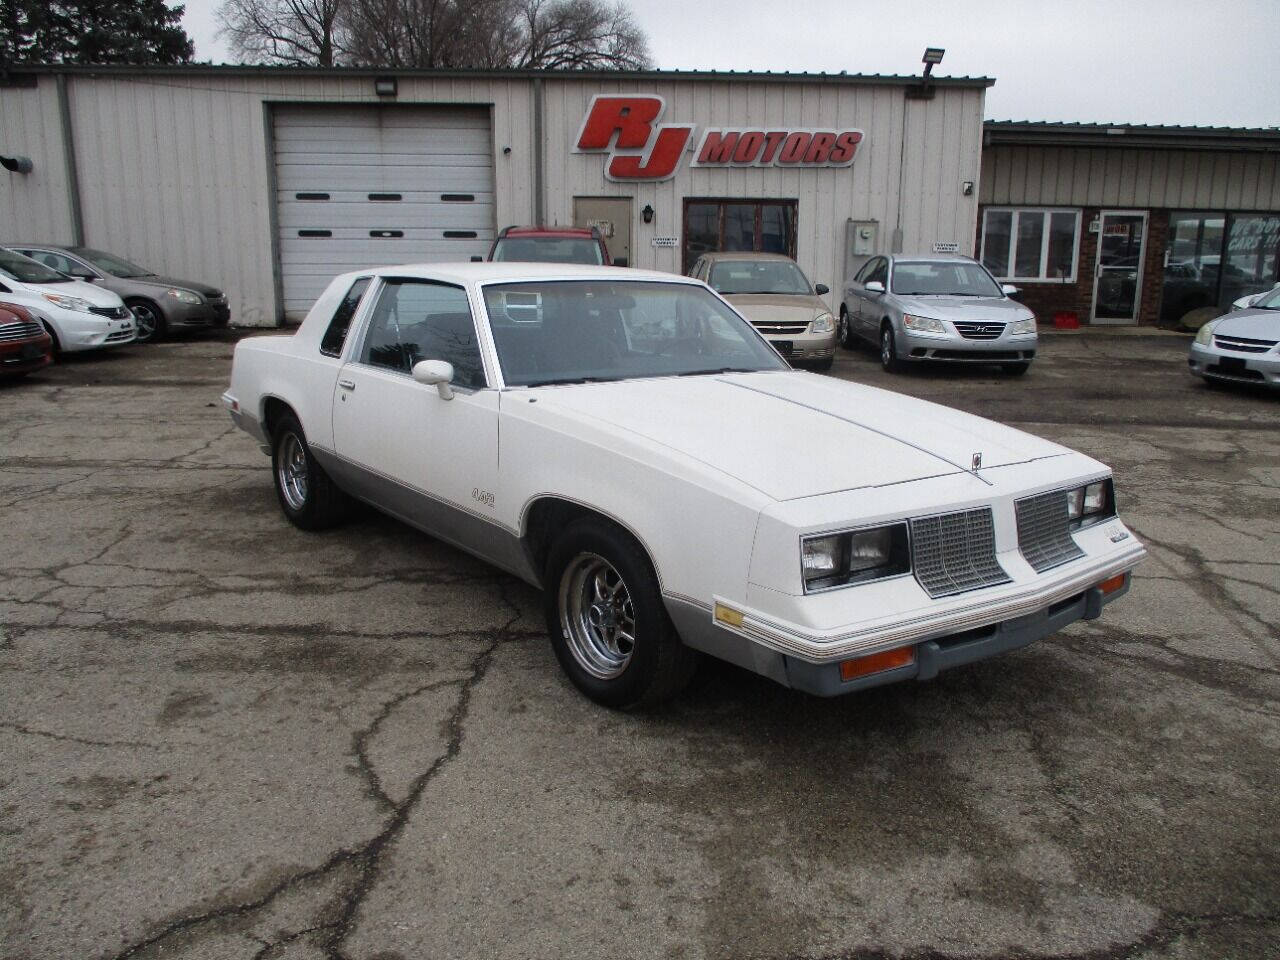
{"points": [[347, 384]]}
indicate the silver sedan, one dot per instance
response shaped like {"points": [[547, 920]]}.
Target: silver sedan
{"points": [[936, 308], [1243, 346]]}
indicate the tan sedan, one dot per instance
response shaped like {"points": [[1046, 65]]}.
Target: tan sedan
{"points": [[772, 292]]}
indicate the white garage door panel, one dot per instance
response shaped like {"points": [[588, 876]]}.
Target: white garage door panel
{"points": [[368, 186]]}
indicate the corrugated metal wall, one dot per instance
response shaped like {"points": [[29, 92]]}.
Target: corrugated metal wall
{"points": [[1139, 178], [175, 170]]}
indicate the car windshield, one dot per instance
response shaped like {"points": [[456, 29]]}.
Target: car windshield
{"points": [[548, 250], [1269, 301], [942, 278], [116, 266], [758, 276], [575, 331], [25, 270]]}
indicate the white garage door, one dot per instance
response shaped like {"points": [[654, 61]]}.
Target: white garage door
{"points": [[374, 185]]}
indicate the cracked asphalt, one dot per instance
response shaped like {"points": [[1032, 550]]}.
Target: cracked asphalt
{"points": [[221, 737]]}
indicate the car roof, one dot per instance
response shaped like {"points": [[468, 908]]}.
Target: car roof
{"points": [[745, 255], [930, 258], [513, 271], [546, 232], [40, 246]]}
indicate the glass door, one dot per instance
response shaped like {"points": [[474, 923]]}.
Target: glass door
{"points": [[1117, 285]]}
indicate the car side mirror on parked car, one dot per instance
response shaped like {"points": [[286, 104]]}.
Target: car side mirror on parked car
{"points": [[821, 289], [435, 373], [874, 286], [1008, 289]]}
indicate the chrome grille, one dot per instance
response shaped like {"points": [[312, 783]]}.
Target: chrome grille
{"points": [[776, 328], [1044, 531], [21, 330], [955, 552], [1243, 344], [115, 313], [981, 330]]}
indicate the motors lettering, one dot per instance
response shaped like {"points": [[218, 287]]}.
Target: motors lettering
{"points": [[641, 148]]}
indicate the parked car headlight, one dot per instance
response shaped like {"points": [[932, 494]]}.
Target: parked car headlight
{"points": [[1027, 325], [184, 296], [854, 556], [69, 303], [922, 324], [1093, 502], [1205, 335], [822, 323]]}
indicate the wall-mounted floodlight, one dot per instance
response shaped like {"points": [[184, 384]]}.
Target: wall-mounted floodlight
{"points": [[384, 86], [16, 164], [932, 55]]}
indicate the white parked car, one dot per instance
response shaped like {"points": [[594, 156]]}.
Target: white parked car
{"points": [[628, 442], [1250, 299], [78, 315]]}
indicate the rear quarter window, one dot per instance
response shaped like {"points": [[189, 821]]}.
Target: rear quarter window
{"points": [[336, 335]]}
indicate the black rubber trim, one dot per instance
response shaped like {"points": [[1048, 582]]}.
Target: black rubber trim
{"points": [[385, 196], [311, 196], [386, 233], [460, 234], [458, 197], [315, 233]]}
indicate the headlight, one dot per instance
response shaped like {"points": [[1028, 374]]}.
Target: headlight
{"points": [[855, 556], [1205, 335], [1023, 326], [184, 296], [69, 303], [1091, 503], [922, 324], [822, 323]]}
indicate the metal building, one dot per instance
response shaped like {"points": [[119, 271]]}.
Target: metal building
{"points": [[268, 181]]}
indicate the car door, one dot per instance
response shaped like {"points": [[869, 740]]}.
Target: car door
{"points": [[430, 461], [859, 309]]}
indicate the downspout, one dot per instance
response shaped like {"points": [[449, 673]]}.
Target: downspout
{"points": [[539, 158], [69, 157]]}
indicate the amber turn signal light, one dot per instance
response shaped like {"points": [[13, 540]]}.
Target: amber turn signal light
{"points": [[877, 662], [1112, 584]]}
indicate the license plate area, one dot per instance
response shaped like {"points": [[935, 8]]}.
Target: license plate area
{"points": [[1231, 365], [784, 347]]}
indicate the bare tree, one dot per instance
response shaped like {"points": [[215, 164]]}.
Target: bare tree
{"points": [[578, 35], [291, 32]]}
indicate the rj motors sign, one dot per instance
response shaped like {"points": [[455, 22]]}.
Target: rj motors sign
{"points": [[627, 128]]}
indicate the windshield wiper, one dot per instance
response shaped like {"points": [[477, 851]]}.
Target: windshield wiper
{"points": [[560, 381], [701, 373]]}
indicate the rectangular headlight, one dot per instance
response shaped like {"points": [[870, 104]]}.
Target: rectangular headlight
{"points": [[1091, 503], [854, 556]]}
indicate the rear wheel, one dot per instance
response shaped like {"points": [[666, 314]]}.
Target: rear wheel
{"points": [[889, 350], [148, 319], [608, 625], [307, 496], [845, 329]]}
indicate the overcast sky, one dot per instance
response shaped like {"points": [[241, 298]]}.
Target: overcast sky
{"points": [[1208, 62]]}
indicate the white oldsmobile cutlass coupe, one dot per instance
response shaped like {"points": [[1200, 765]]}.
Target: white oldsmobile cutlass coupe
{"points": [[630, 444]]}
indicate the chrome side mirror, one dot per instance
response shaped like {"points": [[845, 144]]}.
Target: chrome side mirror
{"points": [[435, 373], [874, 286], [1008, 289]]}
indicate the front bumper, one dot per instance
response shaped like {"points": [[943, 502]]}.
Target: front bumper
{"points": [[1214, 363], [955, 348], [85, 331], [802, 347], [213, 313], [24, 356]]}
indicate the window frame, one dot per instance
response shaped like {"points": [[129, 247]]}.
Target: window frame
{"points": [[1047, 219]]}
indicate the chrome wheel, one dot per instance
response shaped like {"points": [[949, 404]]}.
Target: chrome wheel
{"points": [[886, 348], [145, 320], [843, 329], [597, 616], [291, 471]]}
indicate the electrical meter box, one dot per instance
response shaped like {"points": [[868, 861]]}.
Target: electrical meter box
{"points": [[861, 241]]}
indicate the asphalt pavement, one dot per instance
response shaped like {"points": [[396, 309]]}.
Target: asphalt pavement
{"points": [[224, 738]]}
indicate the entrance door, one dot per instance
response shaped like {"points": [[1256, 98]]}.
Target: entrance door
{"points": [[1117, 285], [612, 215]]}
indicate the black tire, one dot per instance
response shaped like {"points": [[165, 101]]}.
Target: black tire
{"points": [[314, 504], [822, 366], [149, 321], [846, 329], [1016, 369], [889, 350], [654, 665]]}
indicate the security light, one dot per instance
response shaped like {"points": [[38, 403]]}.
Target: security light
{"points": [[385, 86], [933, 55]]}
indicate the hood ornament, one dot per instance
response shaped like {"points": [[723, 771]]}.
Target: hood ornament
{"points": [[977, 461]]}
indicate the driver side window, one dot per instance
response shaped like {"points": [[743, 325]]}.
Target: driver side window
{"points": [[421, 320], [880, 271]]}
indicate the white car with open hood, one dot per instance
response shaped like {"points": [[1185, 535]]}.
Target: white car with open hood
{"points": [[629, 443]]}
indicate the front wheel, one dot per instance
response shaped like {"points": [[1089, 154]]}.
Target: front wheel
{"points": [[307, 496], [889, 350], [608, 626], [148, 320]]}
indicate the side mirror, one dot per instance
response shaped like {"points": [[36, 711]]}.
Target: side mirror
{"points": [[476, 259], [621, 262], [873, 286], [1008, 289], [435, 373], [821, 289]]}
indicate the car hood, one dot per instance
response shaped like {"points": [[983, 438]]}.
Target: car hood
{"points": [[777, 307], [965, 308], [792, 435], [97, 296], [1256, 324], [167, 282]]}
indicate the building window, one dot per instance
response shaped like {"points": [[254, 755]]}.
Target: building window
{"points": [[712, 225], [1031, 244], [1213, 258]]}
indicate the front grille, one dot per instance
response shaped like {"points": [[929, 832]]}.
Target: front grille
{"points": [[21, 330], [118, 336], [981, 330], [776, 328], [115, 313], [955, 552], [1243, 344], [1044, 533]]}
